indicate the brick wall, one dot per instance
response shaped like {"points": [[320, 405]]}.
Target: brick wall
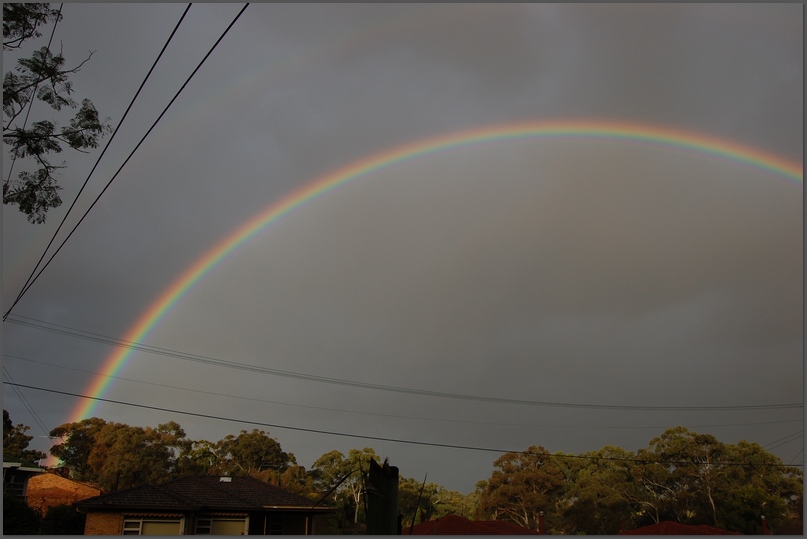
{"points": [[99, 523], [49, 489]]}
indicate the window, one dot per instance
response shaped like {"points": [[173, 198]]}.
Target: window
{"points": [[152, 526], [221, 526], [15, 484], [275, 525]]}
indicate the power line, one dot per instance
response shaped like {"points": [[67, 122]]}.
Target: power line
{"points": [[379, 387], [786, 440], [115, 132], [379, 438], [25, 403], [376, 414], [27, 287]]}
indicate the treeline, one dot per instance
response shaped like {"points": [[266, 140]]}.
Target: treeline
{"points": [[681, 476]]}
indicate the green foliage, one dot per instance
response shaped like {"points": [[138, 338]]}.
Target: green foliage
{"points": [[250, 453], [598, 505], [333, 466], [681, 476], [42, 76], [436, 501], [78, 442], [15, 443], [63, 520], [116, 456], [524, 485], [19, 518]]}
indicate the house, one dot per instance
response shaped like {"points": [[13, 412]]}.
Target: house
{"points": [[457, 525], [16, 476], [209, 505], [674, 528], [50, 489]]}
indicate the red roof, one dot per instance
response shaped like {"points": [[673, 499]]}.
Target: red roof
{"points": [[457, 525], [673, 528]]}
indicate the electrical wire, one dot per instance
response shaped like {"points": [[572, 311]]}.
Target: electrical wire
{"points": [[111, 138], [379, 438], [376, 414], [25, 403], [378, 387], [786, 440], [184, 85]]}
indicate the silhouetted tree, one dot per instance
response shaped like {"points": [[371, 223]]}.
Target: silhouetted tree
{"points": [[42, 76]]}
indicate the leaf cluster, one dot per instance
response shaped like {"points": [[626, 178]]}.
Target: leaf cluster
{"points": [[15, 443], [41, 76], [22, 22], [682, 476]]}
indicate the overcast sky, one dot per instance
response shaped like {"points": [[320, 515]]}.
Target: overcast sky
{"points": [[571, 271]]}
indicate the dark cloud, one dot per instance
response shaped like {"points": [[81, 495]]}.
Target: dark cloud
{"points": [[570, 271]]}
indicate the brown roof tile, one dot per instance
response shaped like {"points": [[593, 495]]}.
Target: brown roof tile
{"points": [[201, 493]]}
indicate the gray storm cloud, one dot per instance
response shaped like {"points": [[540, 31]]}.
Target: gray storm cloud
{"points": [[577, 271]]}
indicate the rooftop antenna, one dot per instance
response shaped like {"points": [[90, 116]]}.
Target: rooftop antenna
{"points": [[420, 496]]}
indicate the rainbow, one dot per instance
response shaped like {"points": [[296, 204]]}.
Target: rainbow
{"points": [[577, 129]]}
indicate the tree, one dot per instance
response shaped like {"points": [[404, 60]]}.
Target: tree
{"points": [[695, 479], [333, 466], [763, 485], [117, 456], [598, 504], [78, 441], [524, 485], [42, 76], [296, 479], [15, 443], [250, 453], [125, 456], [409, 494], [198, 457]]}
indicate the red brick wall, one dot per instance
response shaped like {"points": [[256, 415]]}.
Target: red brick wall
{"points": [[99, 523]]}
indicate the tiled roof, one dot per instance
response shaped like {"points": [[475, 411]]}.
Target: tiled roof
{"points": [[201, 493], [674, 528], [457, 525]]}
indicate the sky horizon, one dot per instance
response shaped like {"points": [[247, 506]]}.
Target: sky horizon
{"points": [[569, 289]]}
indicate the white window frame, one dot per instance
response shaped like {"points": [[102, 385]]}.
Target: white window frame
{"points": [[138, 521], [208, 523]]}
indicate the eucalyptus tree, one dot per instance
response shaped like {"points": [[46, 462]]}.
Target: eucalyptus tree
{"points": [[334, 467], [524, 485]]}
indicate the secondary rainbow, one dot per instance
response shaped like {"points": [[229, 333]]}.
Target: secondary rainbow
{"points": [[629, 132]]}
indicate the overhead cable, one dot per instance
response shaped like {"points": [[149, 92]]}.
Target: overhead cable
{"points": [[115, 132], [384, 439], [379, 387], [395, 416], [28, 286], [25, 403]]}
